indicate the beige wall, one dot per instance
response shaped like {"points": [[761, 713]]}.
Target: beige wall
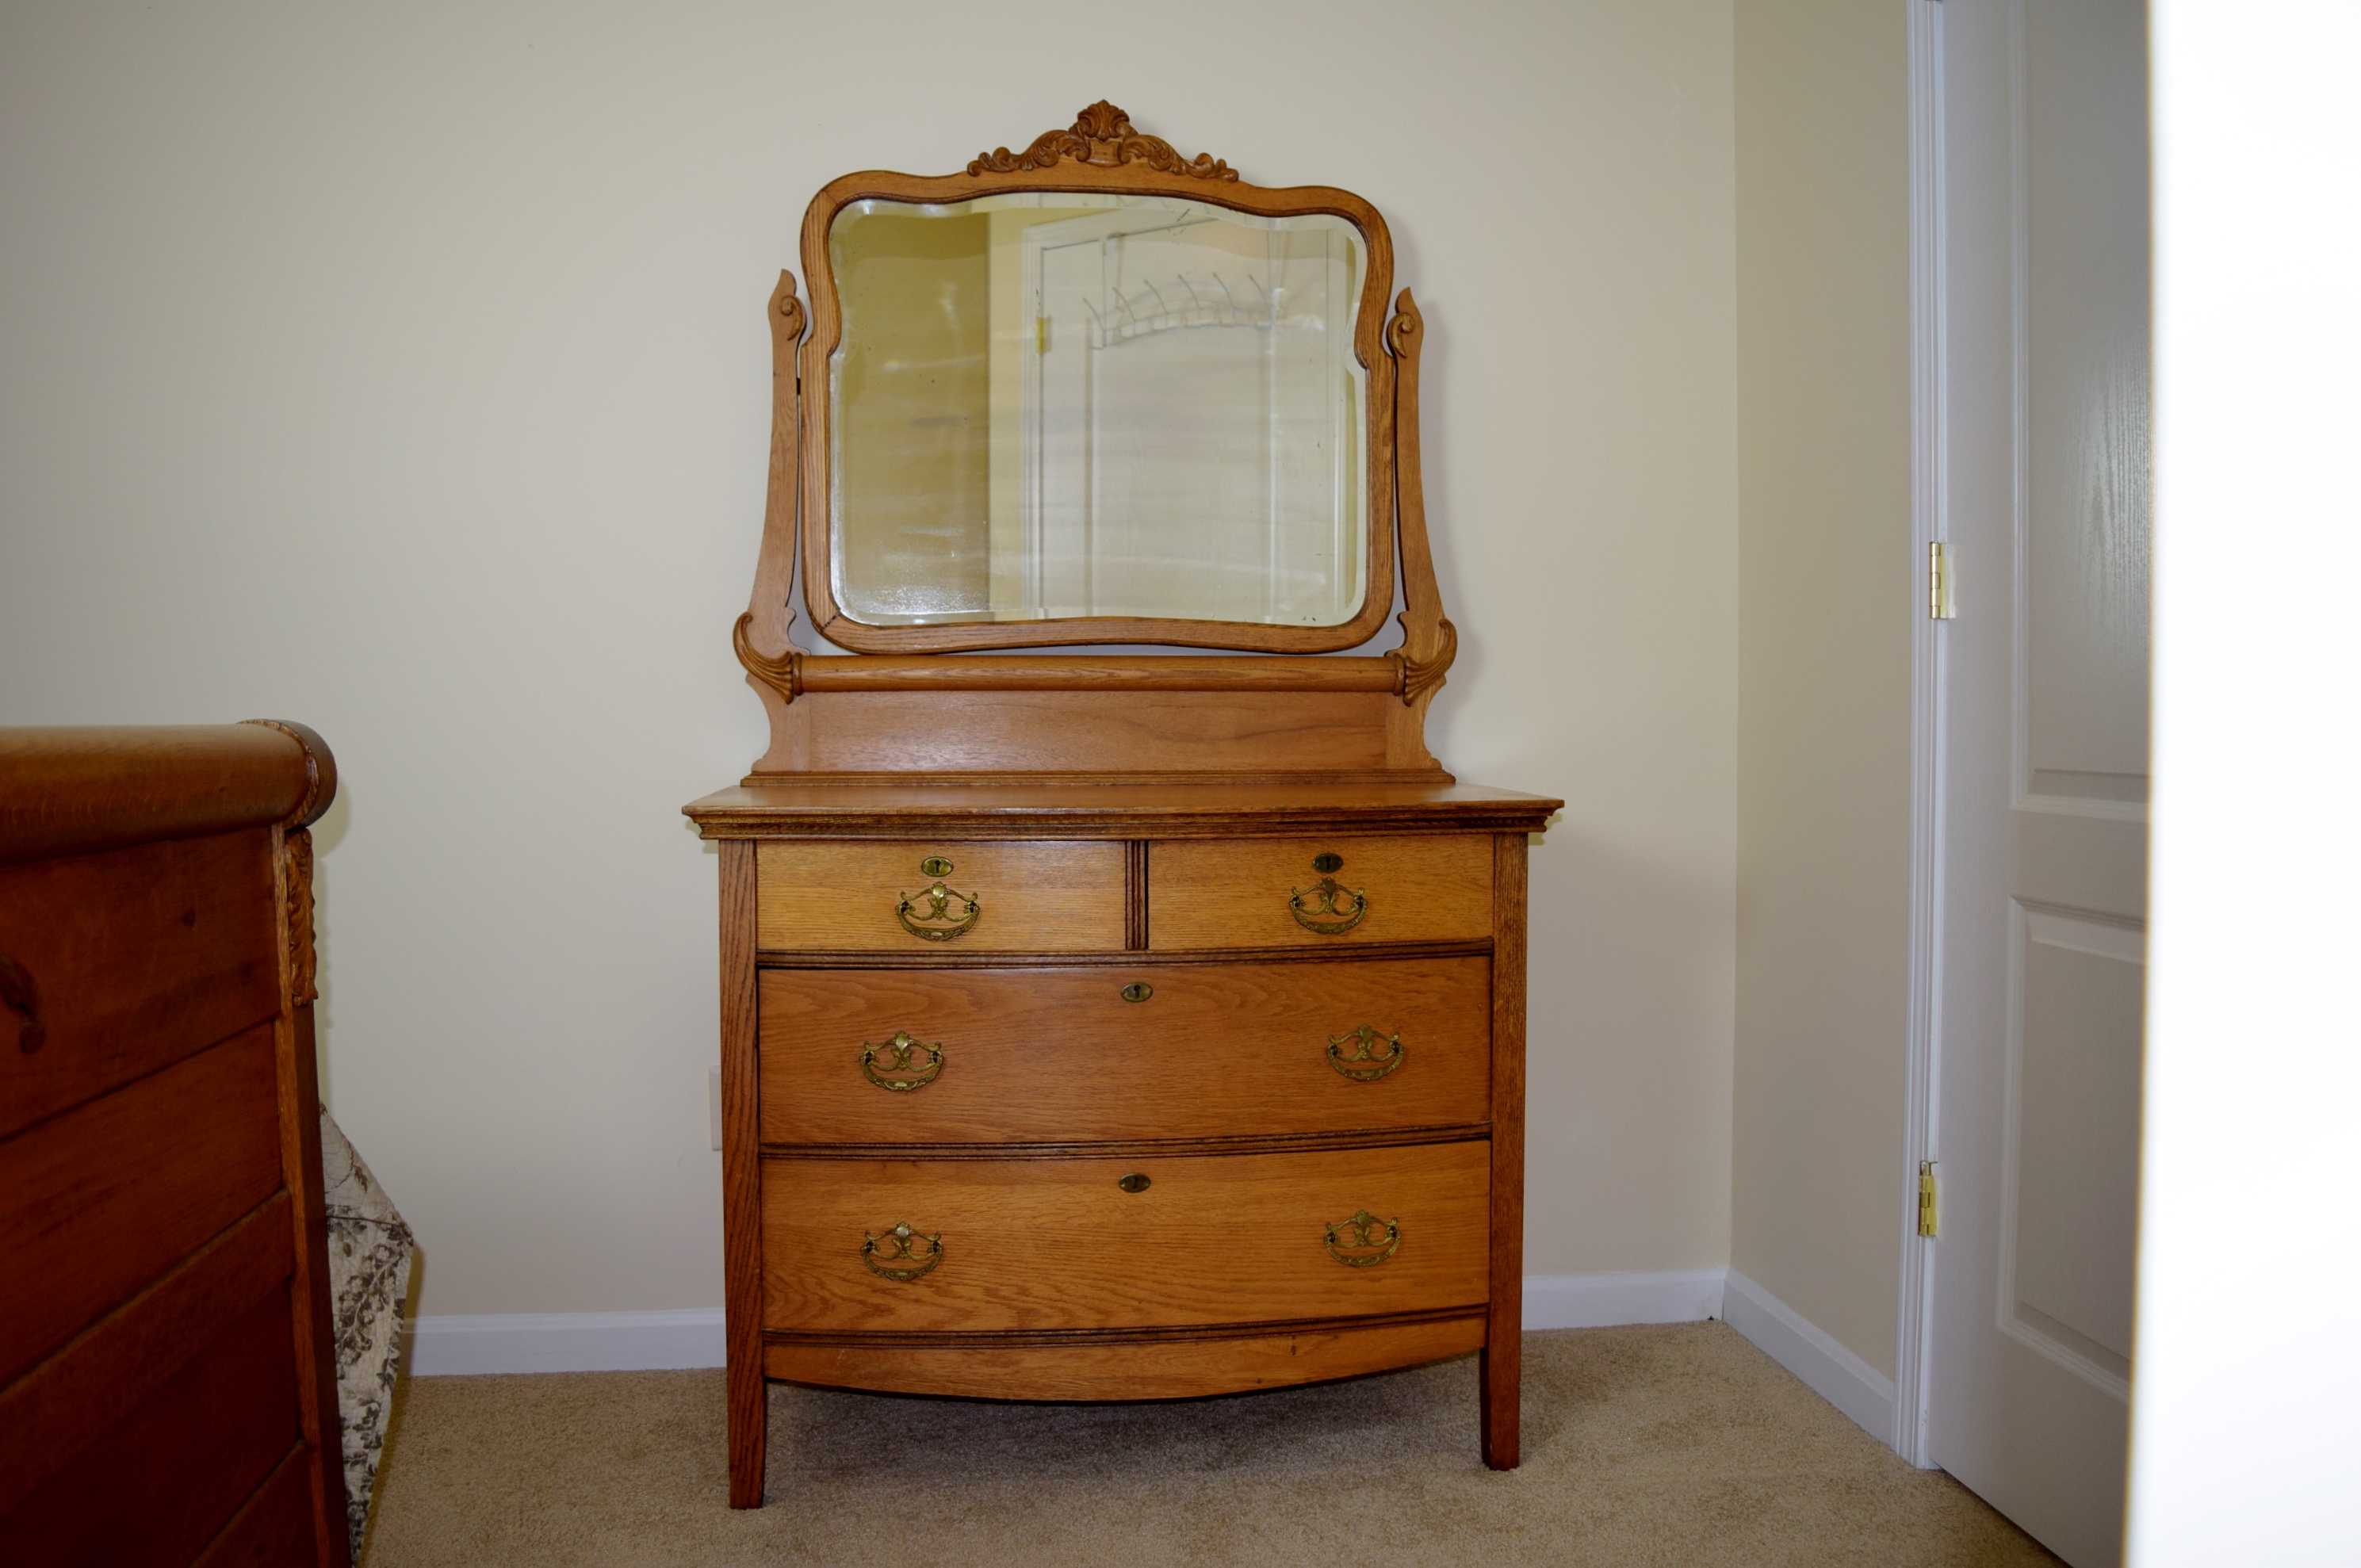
{"points": [[1827, 580], [402, 370]]}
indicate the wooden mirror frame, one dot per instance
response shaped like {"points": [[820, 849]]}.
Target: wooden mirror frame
{"points": [[1101, 152]]}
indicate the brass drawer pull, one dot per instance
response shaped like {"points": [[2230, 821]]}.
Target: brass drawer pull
{"points": [[1134, 1182], [901, 1265], [1363, 1241], [897, 1063], [1324, 917], [936, 922], [1365, 1066], [20, 996]]}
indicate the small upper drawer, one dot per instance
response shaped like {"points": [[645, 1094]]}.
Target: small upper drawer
{"points": [[919, 896], [1266, 893]]}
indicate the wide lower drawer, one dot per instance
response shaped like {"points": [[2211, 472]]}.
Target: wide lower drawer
{"points": [[1261, 893], [913, 1245], [916, 896], [1064, 1055]]}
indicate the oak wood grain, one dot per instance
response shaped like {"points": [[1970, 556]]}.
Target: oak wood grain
{"points": [[141, 956], [104, 1199], [1126, 674], [1204, 892], [59, 1407], [161, 1482], [741, 1181], [1035, 897], [1391, 951], [1059, 1053], [1155, 1370], [1503, 1359], [930, 734], [1045, 1244], [1111, 806]]}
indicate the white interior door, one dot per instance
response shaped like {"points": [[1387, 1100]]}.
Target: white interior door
{"points": [[2044, 769]]}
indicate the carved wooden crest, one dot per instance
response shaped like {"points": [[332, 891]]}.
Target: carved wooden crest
{"points": [[1102, 136]]}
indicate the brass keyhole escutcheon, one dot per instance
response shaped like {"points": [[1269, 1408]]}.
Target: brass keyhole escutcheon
{"points": [[934, 865], [1138, 991], [1327, 864], [1134, 1182]]}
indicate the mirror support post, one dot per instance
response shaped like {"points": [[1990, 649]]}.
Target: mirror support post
{"points": [[1429, 642], [763, 640]]}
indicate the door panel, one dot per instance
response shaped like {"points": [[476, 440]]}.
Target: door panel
{"points": [[2075, 1154], [2043, 721]]}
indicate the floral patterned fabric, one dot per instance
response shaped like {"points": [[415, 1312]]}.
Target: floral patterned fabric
{"points": [[368, 1277]]}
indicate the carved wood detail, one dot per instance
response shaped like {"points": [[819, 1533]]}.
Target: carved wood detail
{"points": [[302, 956], [770, 611], [1102, 136], [1429, 642], [1415, 678], [783, 675]]}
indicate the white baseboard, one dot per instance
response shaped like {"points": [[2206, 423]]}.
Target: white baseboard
{"points": [[1828, 1369], [1605, 1301], [562, 1342], [449, 1345]]}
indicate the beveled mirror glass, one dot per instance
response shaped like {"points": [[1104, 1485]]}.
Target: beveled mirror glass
{"points": [[1056, 404]]}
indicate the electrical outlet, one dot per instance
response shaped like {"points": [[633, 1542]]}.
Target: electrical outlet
{"points": [[713, 1095]]}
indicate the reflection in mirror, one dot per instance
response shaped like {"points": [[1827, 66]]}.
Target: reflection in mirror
{"points": [[1057, 404]]}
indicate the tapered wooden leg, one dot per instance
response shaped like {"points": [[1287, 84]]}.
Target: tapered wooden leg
{"points": [[749, 1429], [1501, 1366], [741, 1182], [1503, 1360]]}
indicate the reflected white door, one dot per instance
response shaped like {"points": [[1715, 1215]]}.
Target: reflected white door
{"points": [[2044, 767], [1193, 419]]}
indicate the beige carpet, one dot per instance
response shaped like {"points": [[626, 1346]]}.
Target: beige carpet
{"points": [[1675, 1445]]}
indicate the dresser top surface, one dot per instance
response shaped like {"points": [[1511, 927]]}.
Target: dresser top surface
{"points": [[1113, 810]]}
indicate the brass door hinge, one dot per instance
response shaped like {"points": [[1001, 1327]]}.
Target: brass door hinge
{"points": [[1040, 335], [1939, 582], [1926, 1216]]}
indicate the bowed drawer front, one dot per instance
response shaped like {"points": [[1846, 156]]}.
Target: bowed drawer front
{"points": [[883, 1056], [1336, 891], [1142, 1241]]}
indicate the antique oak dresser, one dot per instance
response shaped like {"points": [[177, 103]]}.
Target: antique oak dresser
{"points": [[168, 1366], [1113, 1024]]}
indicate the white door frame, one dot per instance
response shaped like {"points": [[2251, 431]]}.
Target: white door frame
{"points": [[1914, 1334]]}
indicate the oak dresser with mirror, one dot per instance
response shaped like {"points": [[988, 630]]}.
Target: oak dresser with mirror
{"points": [[1108, 1023]]}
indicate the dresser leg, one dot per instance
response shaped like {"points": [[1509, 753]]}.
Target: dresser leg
{"points": [[1500, 1366], [750, 1435], [1504, 1333], [741, 1181]]}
